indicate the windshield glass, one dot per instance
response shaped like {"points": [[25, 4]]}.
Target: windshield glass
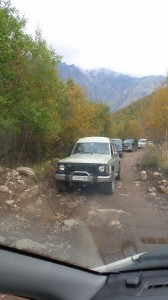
{"points": [[77, 81], [100, 148], [117, 142], [127, 141]]}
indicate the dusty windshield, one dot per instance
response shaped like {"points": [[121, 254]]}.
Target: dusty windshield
{"points": [[100, 148], [127, 142], [117, 142], [71, 70]]}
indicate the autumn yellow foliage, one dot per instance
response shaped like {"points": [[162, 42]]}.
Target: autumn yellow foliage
{"points": [[156, 117], [82, 118]]}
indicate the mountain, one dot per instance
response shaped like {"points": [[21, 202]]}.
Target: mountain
{"points": [[114, 89]]}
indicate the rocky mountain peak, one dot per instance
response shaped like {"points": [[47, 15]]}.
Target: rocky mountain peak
{"points": [[114, 89]]}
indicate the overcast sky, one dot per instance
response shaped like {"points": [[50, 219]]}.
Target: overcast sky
{"points": [[128, 36]]}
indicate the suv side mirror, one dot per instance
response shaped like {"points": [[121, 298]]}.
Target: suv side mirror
{"points": [[116, 154]]}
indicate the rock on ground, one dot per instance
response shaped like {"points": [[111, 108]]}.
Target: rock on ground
{"points": [[25, 171]]}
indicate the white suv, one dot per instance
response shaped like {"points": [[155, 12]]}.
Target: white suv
{"points": [[93, 160], [142, 143]]}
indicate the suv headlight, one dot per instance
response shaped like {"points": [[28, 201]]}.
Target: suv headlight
{"points": [[104, 168], [61, 167], [101, 169]]}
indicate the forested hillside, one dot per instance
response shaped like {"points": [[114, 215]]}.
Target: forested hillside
{"points": [[129, 121], [146, 117], [114, 89]]}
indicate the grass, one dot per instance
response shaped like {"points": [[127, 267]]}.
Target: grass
{"points": [[163, 165], [154, 158], [45, 168]]}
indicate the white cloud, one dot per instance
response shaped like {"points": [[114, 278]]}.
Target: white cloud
{"points": [[125, 35]]}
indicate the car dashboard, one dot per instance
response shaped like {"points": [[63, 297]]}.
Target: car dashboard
{"points": [[135, 285], [35, 277]]}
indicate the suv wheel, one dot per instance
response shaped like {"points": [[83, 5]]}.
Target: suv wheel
{"points": [[118, 177], [61, 186], [109, 187]]}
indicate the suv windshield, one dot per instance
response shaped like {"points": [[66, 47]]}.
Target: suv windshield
{"points": [[100, 148], [117, 142], [128, 141]]}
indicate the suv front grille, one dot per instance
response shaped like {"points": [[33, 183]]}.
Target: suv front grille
{"points": [[91, 169]]}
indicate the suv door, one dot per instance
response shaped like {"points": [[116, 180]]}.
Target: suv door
{"points": [[114, 158]]}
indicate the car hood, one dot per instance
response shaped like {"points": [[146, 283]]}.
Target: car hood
{"points": [[86, 158]]}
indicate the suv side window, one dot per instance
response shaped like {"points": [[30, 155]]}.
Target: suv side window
{"points": [[115, 150], [112, 149]]}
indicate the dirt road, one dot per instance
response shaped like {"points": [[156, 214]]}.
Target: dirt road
{"points": [[87, 227], [112, 227]]}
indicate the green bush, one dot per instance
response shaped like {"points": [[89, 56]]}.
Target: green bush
{"points": [[155, 158], [163, 165], [150, 160]]}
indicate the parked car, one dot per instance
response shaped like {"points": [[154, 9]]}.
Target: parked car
{"points": [[142, 143], [119, 145], [130, 145], [93, 160]]}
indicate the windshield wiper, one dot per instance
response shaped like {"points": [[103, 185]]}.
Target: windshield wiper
{"points": [[146, 260], [153, 259]]}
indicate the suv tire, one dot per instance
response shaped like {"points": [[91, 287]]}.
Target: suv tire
{"points": [[118, 177], [61, 186], [109, 187]]}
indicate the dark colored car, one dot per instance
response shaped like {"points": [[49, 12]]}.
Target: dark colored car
{"points": [[119, 145], [130, 145]]}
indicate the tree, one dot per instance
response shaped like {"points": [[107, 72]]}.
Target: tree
{"points": [[156, 119], [83, 118], [32, 96]]}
